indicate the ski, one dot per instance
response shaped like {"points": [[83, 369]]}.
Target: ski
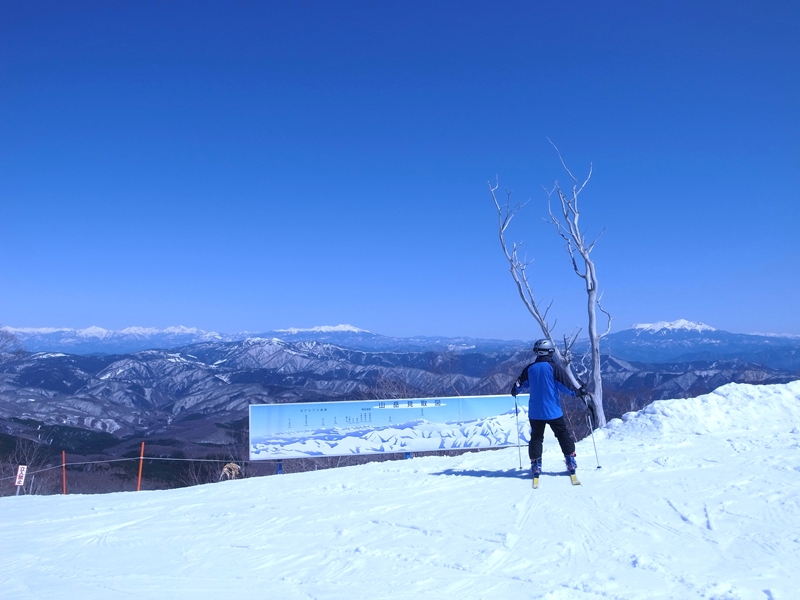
{"points": [[573, 478]]}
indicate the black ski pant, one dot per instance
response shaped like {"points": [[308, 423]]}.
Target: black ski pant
{"points": [[560, 430]]}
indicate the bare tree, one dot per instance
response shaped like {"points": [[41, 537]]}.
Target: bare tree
{"points": [[389, 389], [567, 223], [199, 473], [37, 456], [579, 250], [8, 341], [518, 268]]}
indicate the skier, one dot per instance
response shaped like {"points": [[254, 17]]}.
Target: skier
{"points": [[545, 380]]}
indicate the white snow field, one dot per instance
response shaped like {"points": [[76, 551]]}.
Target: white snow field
{"points": [[696, 498]]}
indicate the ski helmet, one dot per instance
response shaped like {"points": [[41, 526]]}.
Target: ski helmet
{"points": [[544, 348]]}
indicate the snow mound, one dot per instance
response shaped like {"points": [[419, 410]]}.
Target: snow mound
{"points": [[732, 407], [680, 324]]}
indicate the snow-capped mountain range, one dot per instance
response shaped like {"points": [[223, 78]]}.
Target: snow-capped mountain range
{"points": [[667, 326], [662, 341], [96, 340], [688, 341]]}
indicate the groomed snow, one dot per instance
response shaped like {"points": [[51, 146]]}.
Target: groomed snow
{"points": [[696, 498]]}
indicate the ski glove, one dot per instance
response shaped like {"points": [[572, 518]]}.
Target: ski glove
{"points": [[514, 390]]}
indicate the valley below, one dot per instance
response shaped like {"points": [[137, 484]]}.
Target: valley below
{"points": [[192, 401]]}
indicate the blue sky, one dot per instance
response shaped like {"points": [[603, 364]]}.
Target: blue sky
{"points": [[258, 165]]}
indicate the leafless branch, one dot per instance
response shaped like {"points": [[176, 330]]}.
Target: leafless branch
{"points": [[608, 316], [597, 239], [569, 340], [574, 179], [518, 269], [567, 225]]}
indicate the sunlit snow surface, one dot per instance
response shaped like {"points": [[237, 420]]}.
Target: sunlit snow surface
{"points": [[696, 498]]}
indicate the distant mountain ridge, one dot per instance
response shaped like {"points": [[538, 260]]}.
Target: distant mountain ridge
{"points": [[688, 341], [97, 340], [668, 326], [659, 342]]}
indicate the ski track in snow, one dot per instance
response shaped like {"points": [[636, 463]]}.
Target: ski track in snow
{"points": [[696, 498]]}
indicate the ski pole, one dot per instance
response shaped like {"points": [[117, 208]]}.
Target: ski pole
{"points": [[591, 430], [519, 451]]}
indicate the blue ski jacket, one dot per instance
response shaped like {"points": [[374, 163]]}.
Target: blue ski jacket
{"points": [[546, 380]]}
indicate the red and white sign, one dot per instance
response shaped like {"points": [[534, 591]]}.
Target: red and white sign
{"points": [[21, 474]]}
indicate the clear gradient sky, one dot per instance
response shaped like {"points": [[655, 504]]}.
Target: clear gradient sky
{"points": [[257, 165]]}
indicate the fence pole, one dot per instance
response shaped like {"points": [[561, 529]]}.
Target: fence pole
{"points": [[141, 462], [64, 472]]}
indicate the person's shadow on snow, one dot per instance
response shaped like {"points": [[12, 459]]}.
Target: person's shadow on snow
{"points": [[510, 473]]}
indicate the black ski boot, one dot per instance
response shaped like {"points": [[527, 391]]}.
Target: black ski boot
{"points": [[572, 464]]}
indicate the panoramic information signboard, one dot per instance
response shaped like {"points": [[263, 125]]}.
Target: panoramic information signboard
{"points": [[309, 429]]}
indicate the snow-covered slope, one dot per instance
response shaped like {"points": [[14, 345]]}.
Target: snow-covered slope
{"points": [[696, 498]]}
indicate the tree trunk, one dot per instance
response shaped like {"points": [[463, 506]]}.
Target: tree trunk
{"points": [[596, 384]]}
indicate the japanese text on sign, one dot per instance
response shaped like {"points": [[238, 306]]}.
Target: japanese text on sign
{"points": [[21, 475]]}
